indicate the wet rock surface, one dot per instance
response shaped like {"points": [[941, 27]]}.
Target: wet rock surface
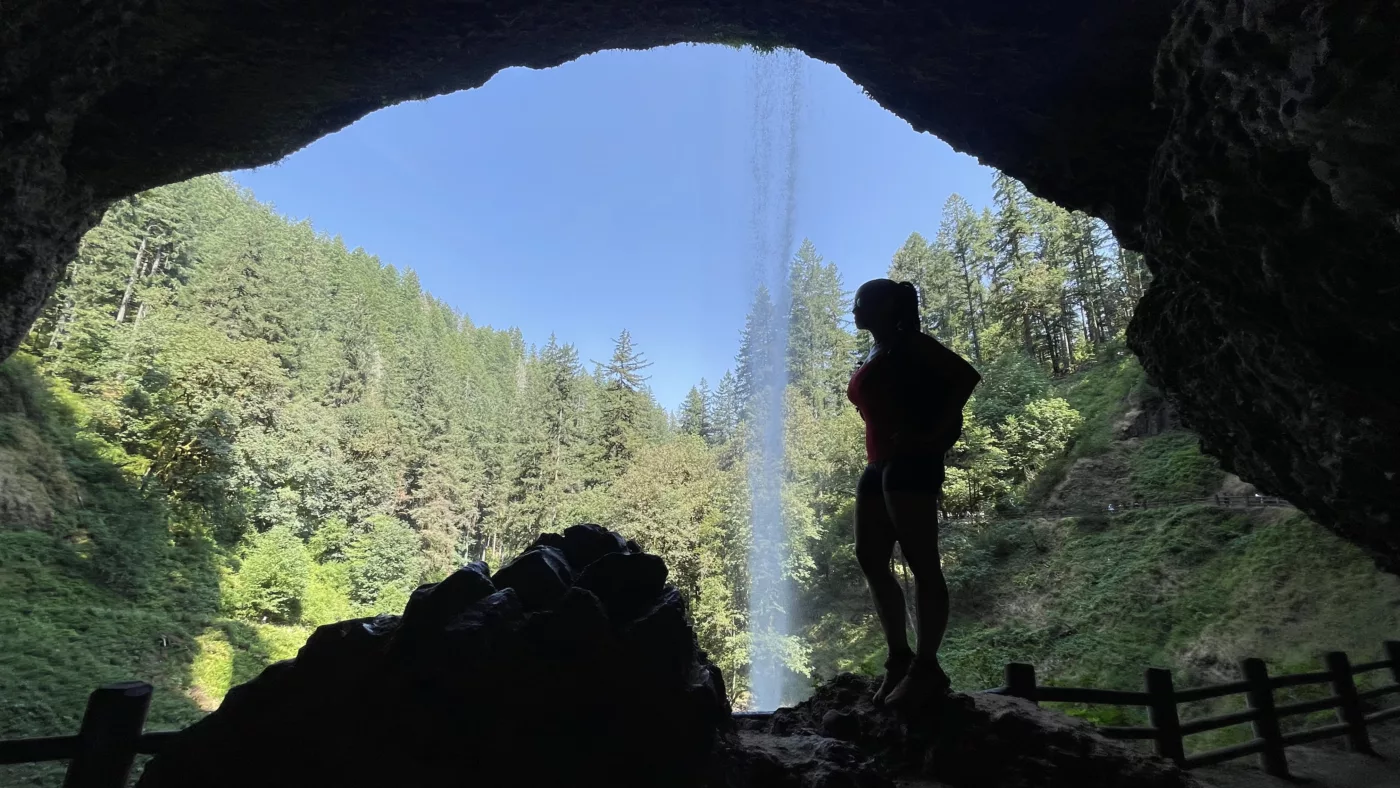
{"points": [[838, 738], [574, 661]]}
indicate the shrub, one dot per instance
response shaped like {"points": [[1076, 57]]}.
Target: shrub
{"points": [[1008, 383], [331, 542], [384, 560], [1037, 433], [272, 577], [327, 595]]}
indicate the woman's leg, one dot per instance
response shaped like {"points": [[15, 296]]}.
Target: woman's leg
{"points": [[911, 496], [875, 537]]}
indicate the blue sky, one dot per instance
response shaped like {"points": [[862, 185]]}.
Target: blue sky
{"points": [[612, 192]]}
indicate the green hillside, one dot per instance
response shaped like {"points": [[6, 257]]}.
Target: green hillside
{"points": [[1092, 600], [227, 428]]}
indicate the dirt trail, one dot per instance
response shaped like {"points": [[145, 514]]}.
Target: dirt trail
{"points": [[1325, 765]]}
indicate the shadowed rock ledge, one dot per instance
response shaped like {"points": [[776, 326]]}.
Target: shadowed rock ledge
{"points": [[838, 737]]}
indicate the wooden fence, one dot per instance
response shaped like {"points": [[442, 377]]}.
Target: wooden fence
{"points": [[1118, 506], [110, 738], [1167, 730]]}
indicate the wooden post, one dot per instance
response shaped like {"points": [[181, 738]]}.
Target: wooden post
{"points": [[1349, 713], [1392, 653], [1020, 681], [1260, 696], [107, 739], [1162, 715]]}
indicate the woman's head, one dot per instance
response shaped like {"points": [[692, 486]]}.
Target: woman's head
{"points": [[883, 306]]}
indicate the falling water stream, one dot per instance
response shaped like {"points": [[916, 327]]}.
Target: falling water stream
{"points": [[777, 91]]}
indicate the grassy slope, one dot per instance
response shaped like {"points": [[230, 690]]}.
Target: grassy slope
{"points": [[1091, 601], [70, 513]]}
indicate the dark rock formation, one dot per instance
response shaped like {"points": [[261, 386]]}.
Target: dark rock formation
{"points": [[1273, 232], [754, 759], [574, 662], [838, 738], [1150, 414], [1258, 169]]}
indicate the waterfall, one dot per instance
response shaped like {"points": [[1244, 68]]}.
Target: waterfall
{"points": [[777, 90]]}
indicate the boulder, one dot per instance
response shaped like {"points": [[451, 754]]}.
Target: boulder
{"points": [[518, 679]]}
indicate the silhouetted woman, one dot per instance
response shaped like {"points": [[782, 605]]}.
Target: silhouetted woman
{"points": [[910, 392]]}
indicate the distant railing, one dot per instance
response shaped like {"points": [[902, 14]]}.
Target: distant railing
{"points": [[110, 738], [1117, 506], [1168, 731]]}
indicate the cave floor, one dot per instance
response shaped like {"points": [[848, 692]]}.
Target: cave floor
{"points": [[1324, 766]]}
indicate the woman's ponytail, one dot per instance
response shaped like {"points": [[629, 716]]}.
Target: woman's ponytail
{"points": [[906, 307]]}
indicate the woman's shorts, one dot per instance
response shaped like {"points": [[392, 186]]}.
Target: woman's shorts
{"points": [[902, 474]]}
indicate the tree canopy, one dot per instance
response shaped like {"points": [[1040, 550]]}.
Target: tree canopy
{"points": [[340, 435]]}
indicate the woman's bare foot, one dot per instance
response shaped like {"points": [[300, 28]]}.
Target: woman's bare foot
{"points": [[896, 668], [924, 682]]}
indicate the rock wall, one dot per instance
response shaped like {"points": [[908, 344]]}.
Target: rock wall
{"points": [[1273, 234], [1249, 149]]}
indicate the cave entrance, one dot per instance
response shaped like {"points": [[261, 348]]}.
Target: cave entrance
{"points": [[1287, 376], [646, 221]]}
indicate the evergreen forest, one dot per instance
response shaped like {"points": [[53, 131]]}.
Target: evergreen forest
{"points": [[227, 429]]}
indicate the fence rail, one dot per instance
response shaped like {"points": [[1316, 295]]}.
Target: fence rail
{"points": [[1263, 714], [1135, 504], [110, 737]]}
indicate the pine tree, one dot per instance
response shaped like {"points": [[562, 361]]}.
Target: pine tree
{"points": [[1046, 290], [694, 417], [916, 262], [626, 402], [966, 238], [758, 370], [727, 409], [818, 346], [1011, 256]]}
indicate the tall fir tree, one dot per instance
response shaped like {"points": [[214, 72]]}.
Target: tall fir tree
{"points": [[626, 402], [1011, 257], [818, 345], [694, 417], [727, 410], [758, 368], [966, 237]]}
